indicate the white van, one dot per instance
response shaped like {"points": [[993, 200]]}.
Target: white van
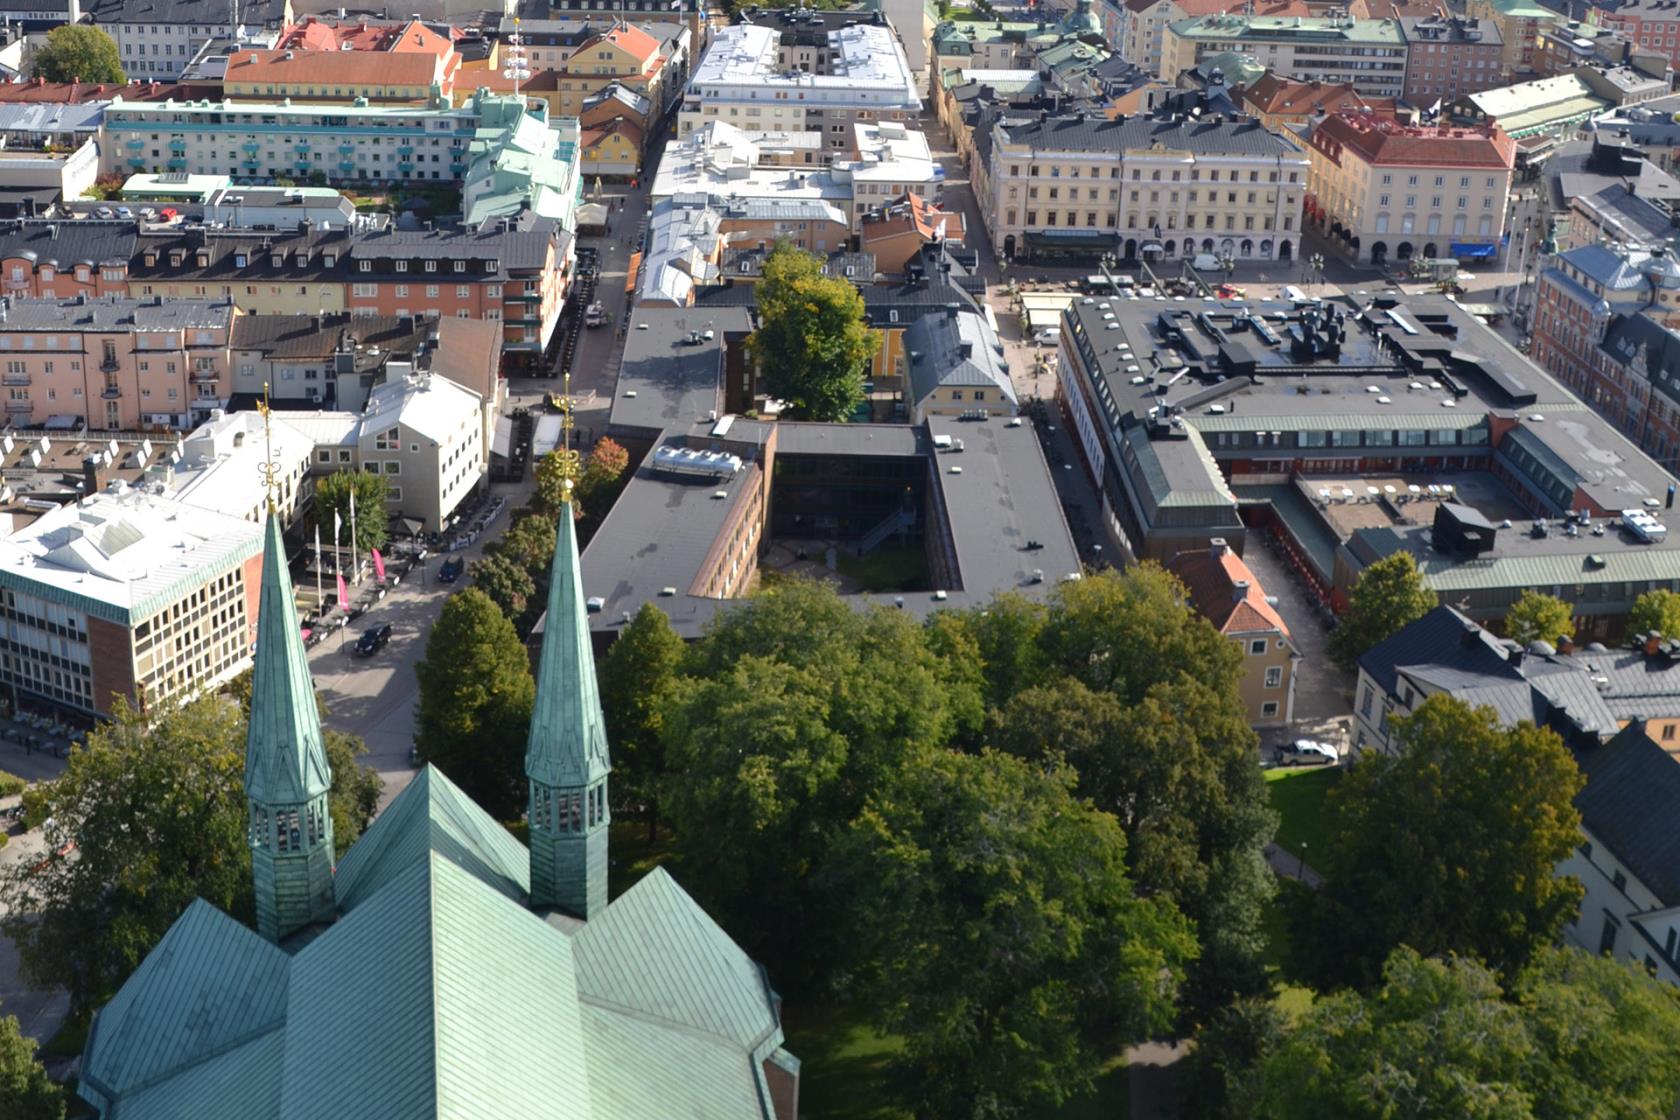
{"points": [[1205, 262]]}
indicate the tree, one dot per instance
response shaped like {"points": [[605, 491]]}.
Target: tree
{"points": [[1657, 610], [332, 496], [76, 52], [551, 479], [1000, 935], [1538, 617], [354, 797], [476, 694], [1390, 594], [638, 676], [1577, 1035], [506, 583], [603, 477], [1448, 845], [149, 814], [26, 1091], [1140, 697], [812, 341]]}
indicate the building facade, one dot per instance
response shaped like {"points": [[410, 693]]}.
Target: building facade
{"points": [[1150, 187], [1368, 54], [1387, 191], [1224, 591], [1449, 57]]}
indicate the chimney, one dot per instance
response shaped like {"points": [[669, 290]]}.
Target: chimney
{"points": [[1514, 655], [1239, 590], [1217, 546], [1653, 641], [90, 476], [1565, 644]]}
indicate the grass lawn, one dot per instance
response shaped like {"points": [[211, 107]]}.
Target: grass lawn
{"points": [[891, 567], [632, 856], [846, 1072], [1297, 795]]}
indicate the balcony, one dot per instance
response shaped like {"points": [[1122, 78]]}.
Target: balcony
{"points": [[252, 146], [109, 364], [19, 406], [17, 283], [111, 393], [529, 297], [204, 376], [14, 379], [347, 165], [178, 145], [302, 145], [177, 163], [252, 165], [137, 163], [405, 150], [347, 147], [136, 143]]}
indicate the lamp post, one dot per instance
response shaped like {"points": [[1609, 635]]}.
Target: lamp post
{"points": [[1301, 864], [1315, 268]]}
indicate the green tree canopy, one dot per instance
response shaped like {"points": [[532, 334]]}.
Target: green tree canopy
{"points": [[149, 814], [1390, 594], [1448, 845], [1577, 1036], [332, 495], [26, 1092], [1002, 937], [1657, 610], [505, 582], [1538, 617], [476, 693], [602, 478], [812, 343], [76, 52], [638, 678]]}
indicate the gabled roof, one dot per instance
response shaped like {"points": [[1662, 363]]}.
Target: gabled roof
{"points": [[1211, 576], [437, 818], [1277, 93], [955, 347], [285, 757], [567, 746], [1384, 140], [1442, 639], [1629, 803]]}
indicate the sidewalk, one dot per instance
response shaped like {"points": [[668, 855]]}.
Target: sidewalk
{"points": [[1289, 866]]}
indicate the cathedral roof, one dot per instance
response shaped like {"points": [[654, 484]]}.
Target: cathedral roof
{"points": [[568, 738]]}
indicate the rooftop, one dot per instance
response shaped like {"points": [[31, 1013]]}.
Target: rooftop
{"points": [[1296, 29], [668, 382], [1383, 140], [866, 61], [1633, 786], [956, 348], [1089, 132], [1226, 592], [123, 553], [113, 314]]}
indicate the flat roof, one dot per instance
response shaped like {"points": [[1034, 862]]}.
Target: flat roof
{"points": [[124, 553], [666, 382]]}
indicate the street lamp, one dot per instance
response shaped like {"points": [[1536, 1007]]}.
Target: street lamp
{"points": [[1301, 864], [1315, 268]]}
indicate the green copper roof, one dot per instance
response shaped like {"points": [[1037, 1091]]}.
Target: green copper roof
{"points": [[568, 740], [210, 984], [285, 760], [433, 815], [440, 996]]}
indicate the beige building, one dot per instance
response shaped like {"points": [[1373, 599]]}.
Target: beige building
{"points": [[1386, 191], [114, 363], [1151, 188], [1225, 592]]}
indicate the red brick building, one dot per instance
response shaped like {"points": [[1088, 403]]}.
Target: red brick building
{"points": [[65, 258], [1447, 58]]}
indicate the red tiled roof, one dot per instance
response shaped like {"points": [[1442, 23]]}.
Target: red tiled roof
{"points": [[1376, 139], [36, 90], [1211, 577], [910, 212], [345, 68], [632, 40], [1273, 93]]}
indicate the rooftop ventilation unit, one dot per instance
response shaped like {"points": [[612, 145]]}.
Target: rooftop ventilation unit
{"points": [[692, 461]]}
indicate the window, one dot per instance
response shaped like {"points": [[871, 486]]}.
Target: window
{"points": [[1365, 702], [1274, 676], [1618, 880], [1607, 939], [1269, 709], [1257, 647]]}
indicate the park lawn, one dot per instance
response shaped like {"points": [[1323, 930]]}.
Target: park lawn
{"points": [[1297, 796], [846, 1071]]}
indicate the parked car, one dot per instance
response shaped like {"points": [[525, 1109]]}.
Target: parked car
{"points": [[1308, 752], [1047, 336], [595, 315], [451, 569], [106, 212], [374, 640], [125, 213]]}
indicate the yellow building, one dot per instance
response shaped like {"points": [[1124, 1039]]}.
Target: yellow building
{"points": [[1520, 23], [626, 54], [612, 151], [1224, 591], [281, 274]]}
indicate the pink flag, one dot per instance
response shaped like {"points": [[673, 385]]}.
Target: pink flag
{"points": [[378, 566], [343, 596]]}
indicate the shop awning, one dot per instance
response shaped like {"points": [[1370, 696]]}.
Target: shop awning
{"points": [[630, 277], [1072, 238]]}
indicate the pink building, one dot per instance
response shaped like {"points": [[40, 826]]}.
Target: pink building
{"points": [[118, 364]]}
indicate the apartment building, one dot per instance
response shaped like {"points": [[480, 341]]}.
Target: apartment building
{"points": [[127, 595], [64, 259], [861, 76], [294, 271], [1447, 57], [1151, 187], [425, 434], [1520, 23], [514, 270], [408, 77], [157, 39], [1137, 28], [114, 363], [623, 54], [1652, 24], [1385, 191], [1369, 54], [1278, 102]]}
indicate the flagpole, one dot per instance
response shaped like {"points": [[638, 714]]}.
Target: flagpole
{"points": [[320, 596], [355, 550], [338, 575]]}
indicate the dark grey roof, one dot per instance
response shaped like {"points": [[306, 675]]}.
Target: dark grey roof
{"points": [[517, 245], [68, 243], [317, 336], [954, 348], [114, 314], [202, 13], [1089, 133], [1629, 803], [667, 383], [1445, 641]]}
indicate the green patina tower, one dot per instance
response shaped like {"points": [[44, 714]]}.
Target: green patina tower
{"points": [[566, 755], [286, 773]]}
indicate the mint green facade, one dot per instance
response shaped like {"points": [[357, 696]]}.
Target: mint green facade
{"points": [[566, 752], [286, 772]]}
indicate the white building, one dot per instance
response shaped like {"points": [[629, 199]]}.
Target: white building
{"points": [[425, 434], [128, 594], [156, 39], [741, 80], [220, 467]]}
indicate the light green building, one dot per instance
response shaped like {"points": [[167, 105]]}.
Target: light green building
{"points": [[442, 970]]}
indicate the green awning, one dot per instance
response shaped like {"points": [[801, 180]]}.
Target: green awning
{"points": [[1070, 238]]}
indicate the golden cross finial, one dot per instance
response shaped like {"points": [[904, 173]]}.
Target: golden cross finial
{"points": [[569, 464], [268, 469]]}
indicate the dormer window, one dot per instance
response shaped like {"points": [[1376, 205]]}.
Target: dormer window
{"points": [[329, 259], [367, 266], [151, 258], [402, 266], [176, 256], [240, 260], [431, 266], [203, 259], [277, 259], [460, 266]]}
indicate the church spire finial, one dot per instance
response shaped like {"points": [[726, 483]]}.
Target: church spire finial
{"points": [[566, 758], [286, 771]]}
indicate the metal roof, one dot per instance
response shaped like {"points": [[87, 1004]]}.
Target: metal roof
{"points": [[567, 744]]}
